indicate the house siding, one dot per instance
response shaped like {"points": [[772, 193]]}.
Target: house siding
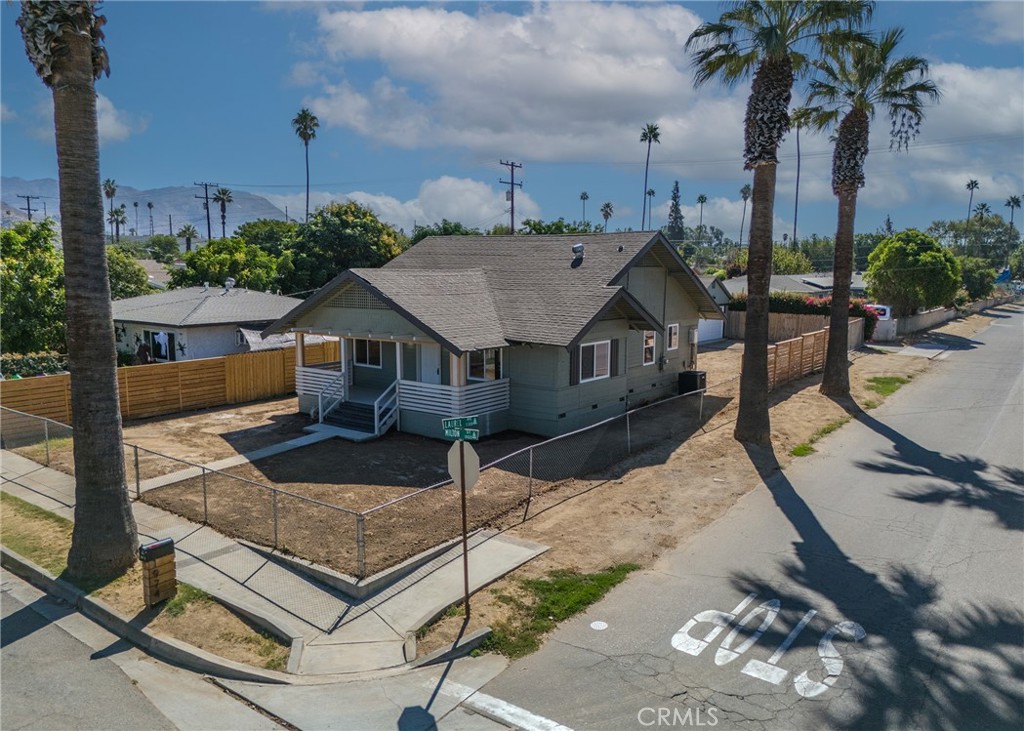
{"points": [[198, 342]]}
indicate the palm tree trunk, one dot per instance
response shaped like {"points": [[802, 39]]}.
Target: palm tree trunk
{"points": [[647, 165], [752, 422], [836, 379], [104, 537], [743, 220], [307, 180]]}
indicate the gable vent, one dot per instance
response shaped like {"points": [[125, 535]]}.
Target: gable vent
{"points": [[356, 298]]}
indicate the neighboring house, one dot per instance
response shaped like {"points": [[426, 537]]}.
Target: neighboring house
{"points": [[543, 334], [156, 273], [813, 285], [198, 322], [708, 331]]}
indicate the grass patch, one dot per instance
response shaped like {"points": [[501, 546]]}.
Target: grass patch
{"points": [[264, 645], [38, 535], [870, 404], [886, 385], [186, 595], [546, 602], [804, 448]]}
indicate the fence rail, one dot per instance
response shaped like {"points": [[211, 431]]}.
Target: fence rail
{"points": [[433, 398]]}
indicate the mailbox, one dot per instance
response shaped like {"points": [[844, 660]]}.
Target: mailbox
{"points": [[159, 576]]}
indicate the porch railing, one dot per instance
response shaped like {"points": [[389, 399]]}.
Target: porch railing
{"points": [[311, 380], [433, 398], [385, 409], [332, 394]]}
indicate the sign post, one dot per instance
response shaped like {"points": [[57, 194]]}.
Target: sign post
{"points": [[464, 467]]}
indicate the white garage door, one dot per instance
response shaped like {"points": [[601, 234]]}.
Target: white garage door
{"points": [[709, 330]]}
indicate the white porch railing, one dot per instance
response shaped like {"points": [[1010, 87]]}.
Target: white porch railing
{"points": [[475, 398], [310, 381], [331, 395], [385, 409]]}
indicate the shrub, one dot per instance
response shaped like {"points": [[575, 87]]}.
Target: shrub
{"points": [[32, 364], [801, 304]]}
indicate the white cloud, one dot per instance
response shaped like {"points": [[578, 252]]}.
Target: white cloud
{"points": [[6, 113], [471, 202], [1000, 22], [113, 124]]}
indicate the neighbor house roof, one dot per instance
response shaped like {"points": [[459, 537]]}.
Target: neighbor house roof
{"points": [[779, 283], [476, 292], [193, 306]]}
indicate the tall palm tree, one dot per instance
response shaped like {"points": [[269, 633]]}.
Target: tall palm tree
{"points": [[650, 135], [852, 83], [650, 207], [118, 217], [305, 125], [135, 205], [584, 196], [110, 190], [972, 185], [981, 210], [188, 232], [766, 40], [796, 196], [745, 195], [152, 230], [64, 43], [1013, 203], [701, 200], [223, 197], [606, 212]]}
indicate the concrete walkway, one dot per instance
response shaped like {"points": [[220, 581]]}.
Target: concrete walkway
{"points": [[338, 633]]}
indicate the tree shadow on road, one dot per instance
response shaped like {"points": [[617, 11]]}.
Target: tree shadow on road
{"points": [[920, 666]]}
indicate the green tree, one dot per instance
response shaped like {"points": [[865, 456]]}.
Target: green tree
{"points": [[537, 227], [305, 125], [250, 266], [1016, 260], [745, 195], [676, 228], [1013, 203], [765, 40], [982, 210], [222, 197], [118, 217], [445, 228], [650, 135], [337, 237], [911, 270], [64, 42], [990, 238], [607, 209], [852, 82], [972, 185], [188, 232], [784, 261], [979, 279], [127, 278], [863, 245], [31, 289], [163, 248], [270, 234]]}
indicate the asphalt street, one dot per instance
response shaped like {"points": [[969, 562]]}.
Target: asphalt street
{"points": [[876, 584]]}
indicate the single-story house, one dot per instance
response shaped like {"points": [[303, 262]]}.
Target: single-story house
{"points": [[199, 322], [813, 285], [543, 334]]}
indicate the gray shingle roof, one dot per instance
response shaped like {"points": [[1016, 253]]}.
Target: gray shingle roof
{"points": [[194, 306]]}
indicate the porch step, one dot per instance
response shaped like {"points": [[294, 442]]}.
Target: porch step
{"points": [[349, 415]]}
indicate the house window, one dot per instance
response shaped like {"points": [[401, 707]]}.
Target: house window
{"points": [[484, 365], [595, 361], [649, 340], [673, 337], [161, 344], [367, 353]]}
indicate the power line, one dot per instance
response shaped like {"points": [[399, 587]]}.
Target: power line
{"points": [[205, 197], [511, 195]]}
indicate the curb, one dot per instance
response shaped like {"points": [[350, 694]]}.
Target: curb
{"points": [[168, 649], [460, 648]]}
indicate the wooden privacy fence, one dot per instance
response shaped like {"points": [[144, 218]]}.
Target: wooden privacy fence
{"points": [[799, 357], [168, 388], [781, 325]]}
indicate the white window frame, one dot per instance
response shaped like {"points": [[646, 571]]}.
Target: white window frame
{"points": [[498, 359], [607, 360], [355, 353], [653, 347], [672, 340]]}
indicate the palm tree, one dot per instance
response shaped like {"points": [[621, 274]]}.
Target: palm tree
{"points": [[64, 43], [981, 210], [745, 195], [1013, 203], [584, 196], [606, 212], [152, 230], [188, 232], [765, 39], [305, 124], [135, 205], [118, 218], [223, 197], [701, 200], [650, 207], [110, 190], [650, 134], [852, 83], [972, 185]]}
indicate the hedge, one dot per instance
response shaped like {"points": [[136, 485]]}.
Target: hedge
{"points": [[32, 364]]}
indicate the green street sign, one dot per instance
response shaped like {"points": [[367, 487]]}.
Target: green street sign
{"points": [[463, 422], [469, 435]]}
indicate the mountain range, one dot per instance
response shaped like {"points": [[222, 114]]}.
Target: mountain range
{"points": [[172, 207]]}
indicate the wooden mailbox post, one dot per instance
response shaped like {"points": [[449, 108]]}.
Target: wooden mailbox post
{"points": [[159, 580]]}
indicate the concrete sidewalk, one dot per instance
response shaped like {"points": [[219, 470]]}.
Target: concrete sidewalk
{"points": [[332, 633]]}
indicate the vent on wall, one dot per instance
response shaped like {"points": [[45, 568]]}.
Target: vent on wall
{"points": [[356, 298]]}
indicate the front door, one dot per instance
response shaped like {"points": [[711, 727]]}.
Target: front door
{"points": [[430, 363]]}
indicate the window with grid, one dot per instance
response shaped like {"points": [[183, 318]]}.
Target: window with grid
{"points": [[673, 337], [484, 365], [595, 361]]}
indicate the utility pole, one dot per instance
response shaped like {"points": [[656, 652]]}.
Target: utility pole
{"points": [[511, 194], [28, 204], [205, 197], [170, 226], [44, 210]]}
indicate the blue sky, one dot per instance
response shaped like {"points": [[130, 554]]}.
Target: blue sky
{"points": [[418, 102]]}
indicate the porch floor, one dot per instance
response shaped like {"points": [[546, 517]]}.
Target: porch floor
{"points": [[364, 394]]}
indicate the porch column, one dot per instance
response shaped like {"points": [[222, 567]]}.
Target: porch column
{"points": [[343, 352], [300, 350], [457, 370], [398, 361]]}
